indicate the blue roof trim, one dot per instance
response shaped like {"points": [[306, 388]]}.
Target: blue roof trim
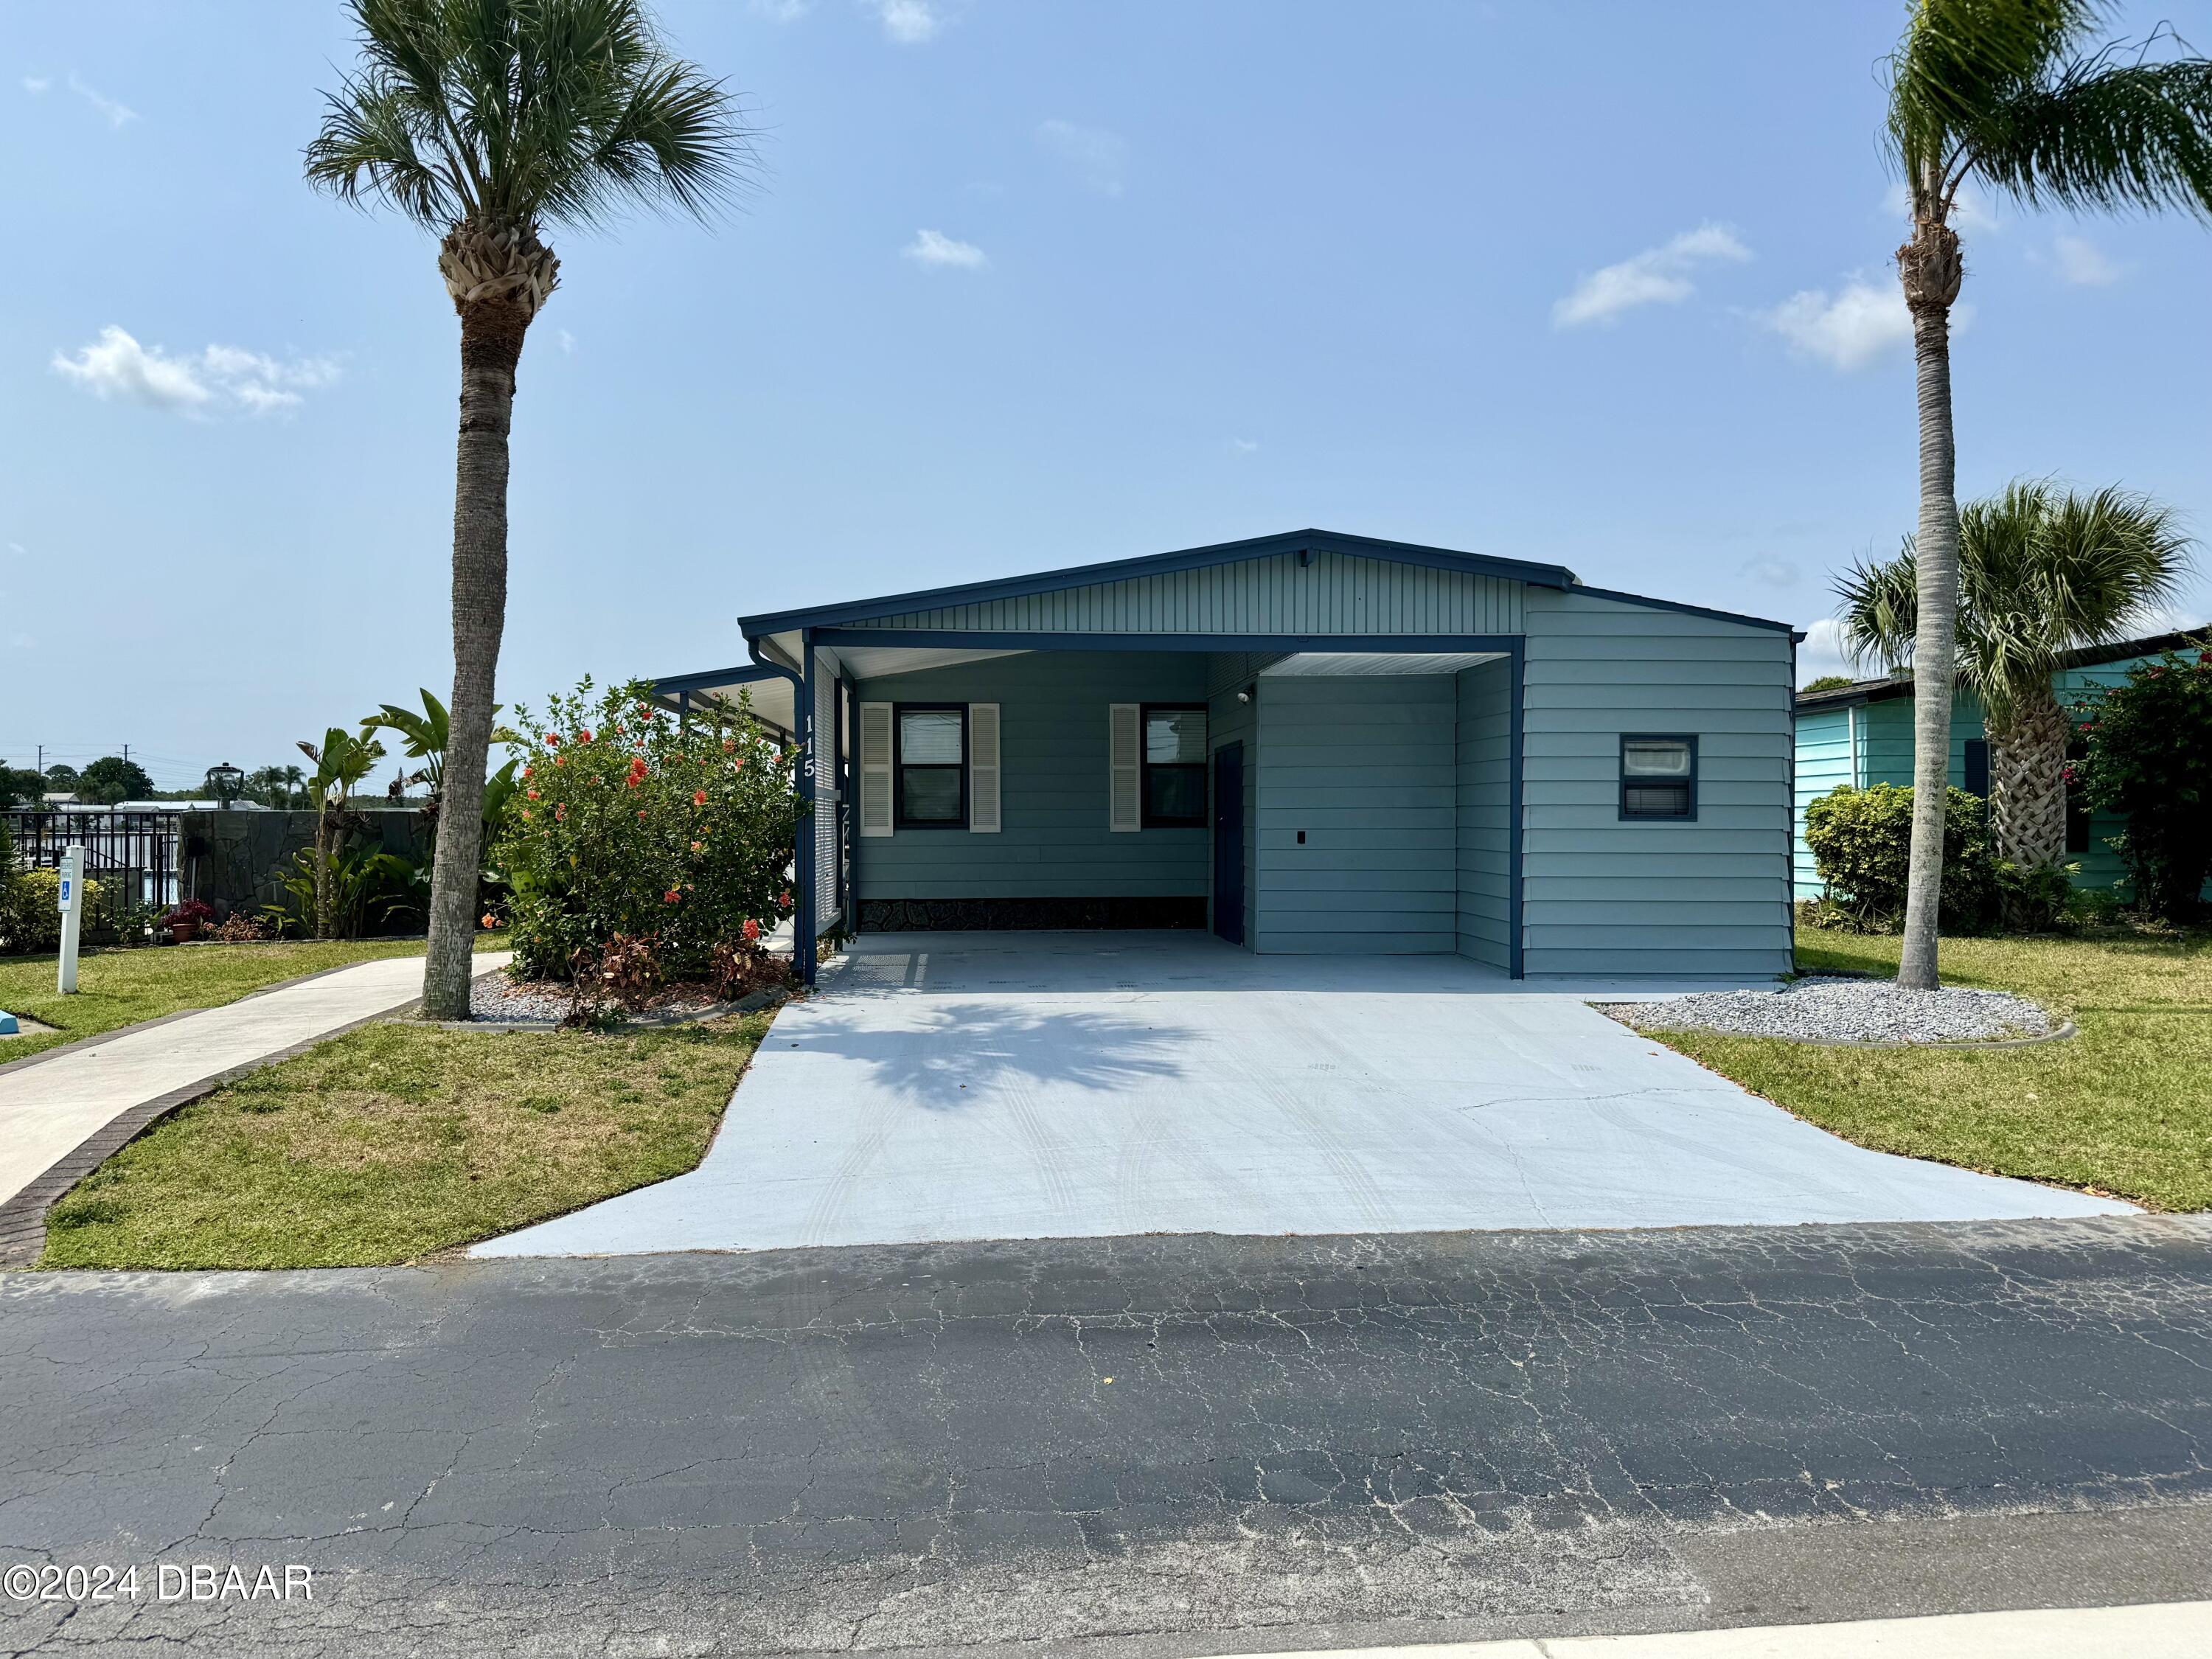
{"points": [[668, 684], [1650, 604], [1192, 558]]}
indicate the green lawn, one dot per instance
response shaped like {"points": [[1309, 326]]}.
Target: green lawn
{"points": [[2125, 1108], [121, 987], [398, 1140]]}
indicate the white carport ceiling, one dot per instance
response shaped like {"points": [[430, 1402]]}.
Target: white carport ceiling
{"points": [[1311, 664]]}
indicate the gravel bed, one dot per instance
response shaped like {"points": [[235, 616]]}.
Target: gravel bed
{"points": [[495, 999], [1824, 1010]]}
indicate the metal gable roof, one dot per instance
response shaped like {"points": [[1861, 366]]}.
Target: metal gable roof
{"points": [[1319, 541]]}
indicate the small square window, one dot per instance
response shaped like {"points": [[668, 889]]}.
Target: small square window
{"points": [[1658, 777]]}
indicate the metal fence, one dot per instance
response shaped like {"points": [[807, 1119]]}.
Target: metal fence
{"points": [[132, 855]]}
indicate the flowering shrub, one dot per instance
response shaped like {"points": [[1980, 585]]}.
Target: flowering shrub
{"points": [[628, 825], [2151, 757]]}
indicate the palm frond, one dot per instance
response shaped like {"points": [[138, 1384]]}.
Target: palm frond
{"points": [[1879, 609], [519, 111], [2108, 138]]}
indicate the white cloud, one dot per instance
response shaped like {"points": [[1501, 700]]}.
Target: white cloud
{"points": [[1096, 154], [35, 84], [910, 22], [1822, 651], [1846, 329], [2082, 263], [564, 340], [18, 550], [218, 378], [118, 115], [1658, 275], [1245, 445], [934, 248], [783, 11], [1767, 569]]}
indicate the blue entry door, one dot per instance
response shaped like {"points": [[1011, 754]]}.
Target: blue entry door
{"points": [[1228, 842]]}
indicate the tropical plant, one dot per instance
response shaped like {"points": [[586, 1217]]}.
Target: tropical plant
{"points": [[426, 732], [61, 780], [361, 888], [280, 788], [2151, 757], [2014, 97], [633, 824], [484, 121], [1862, 846], [342, 761], [111, 779], [2042, 571]]}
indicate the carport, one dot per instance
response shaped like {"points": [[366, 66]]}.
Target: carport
{"points": [[1309, 743]]}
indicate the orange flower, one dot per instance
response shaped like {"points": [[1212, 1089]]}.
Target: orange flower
{"points": [[672, 896], [533, 794], [552, 739], [525, 813], [583, 737], [560, 813], [752, 932], [698, 798], [527, 770], [784, 898], [489, 920], [698, 845]]}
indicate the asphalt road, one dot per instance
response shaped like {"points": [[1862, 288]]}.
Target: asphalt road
{"points": [[1137, 1447]]}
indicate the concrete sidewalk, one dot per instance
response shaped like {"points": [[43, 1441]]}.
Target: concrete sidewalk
{"points": [[55, 1103]]}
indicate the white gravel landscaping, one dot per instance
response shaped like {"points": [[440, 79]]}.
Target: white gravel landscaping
{"points": [[1828, 1010]]}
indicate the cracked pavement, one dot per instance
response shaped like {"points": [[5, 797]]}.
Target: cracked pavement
{"points": [[1145, 1446]]}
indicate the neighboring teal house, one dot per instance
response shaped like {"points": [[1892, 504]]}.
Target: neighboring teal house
{"points": [[1861, 734], [1309, 741]]}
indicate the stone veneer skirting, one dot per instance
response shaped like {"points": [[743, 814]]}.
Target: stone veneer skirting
{"points": [[1027, 915]]}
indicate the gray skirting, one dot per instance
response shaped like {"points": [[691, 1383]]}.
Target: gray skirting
{"points": [[1010, 915]]}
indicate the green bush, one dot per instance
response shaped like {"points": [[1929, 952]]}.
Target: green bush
{"points": [[1862, 843], [2150, 758], [629, 825], [30, 924]]}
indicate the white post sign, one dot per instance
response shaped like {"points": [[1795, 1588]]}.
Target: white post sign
{"points": [[72, 904]]}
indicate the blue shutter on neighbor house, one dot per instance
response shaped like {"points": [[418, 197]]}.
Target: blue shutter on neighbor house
{"points": [[983, 769], [1124, 805], [875, 768]]}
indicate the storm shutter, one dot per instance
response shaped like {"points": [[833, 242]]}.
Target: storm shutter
{"points": [[875, 768], [1124, 790], [983, 768]]}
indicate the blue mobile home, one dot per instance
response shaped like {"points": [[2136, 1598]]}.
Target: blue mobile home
{"points": [[1309, 742], [1862, 735]]}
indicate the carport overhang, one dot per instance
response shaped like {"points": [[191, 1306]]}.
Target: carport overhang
{"points": [[779, 688]]}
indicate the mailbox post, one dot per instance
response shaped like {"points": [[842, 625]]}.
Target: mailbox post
{"points": [[72, 906]]}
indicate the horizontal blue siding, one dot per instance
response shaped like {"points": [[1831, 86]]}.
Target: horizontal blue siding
{"points": [[1053, 786], [1483, 758], [1708, 899]]}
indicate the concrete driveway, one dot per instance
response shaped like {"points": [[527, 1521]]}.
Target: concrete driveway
{"points": [[964, 1086]]}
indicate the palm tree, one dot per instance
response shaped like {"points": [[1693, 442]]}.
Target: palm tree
{"points": [[342, 761], [427, 732], [2042, 571], [484, 121], [2013, 95]]}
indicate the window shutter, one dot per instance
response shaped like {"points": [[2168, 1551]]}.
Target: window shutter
{"points": [[1124, 805], [983, 769], [875, 768]]}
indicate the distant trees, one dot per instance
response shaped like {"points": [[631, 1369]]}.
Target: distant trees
{"points": [[111, 779]]}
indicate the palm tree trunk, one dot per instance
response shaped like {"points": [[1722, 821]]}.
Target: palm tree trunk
{"points": [[1929, 266], [2027, 785], [491, 344]]}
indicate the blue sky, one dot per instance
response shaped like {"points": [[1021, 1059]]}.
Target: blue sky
{"points": [[1024, 285]]}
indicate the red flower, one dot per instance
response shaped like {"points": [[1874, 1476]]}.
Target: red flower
{"points": [[583, 737], [525, 814], [640, 815], [670, 895], [527, 770], [752, 932], [552, 739], [698, 798], [784, 898], [489, 920], [533, 794], [729, 745], [636, 772], [560, 813], [698, 845]]}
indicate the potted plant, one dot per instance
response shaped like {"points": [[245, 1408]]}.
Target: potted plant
{"points": [[186, 921]]}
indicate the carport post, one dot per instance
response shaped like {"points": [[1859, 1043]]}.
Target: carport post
{"points": [[805, 911], [1516, 699]]}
